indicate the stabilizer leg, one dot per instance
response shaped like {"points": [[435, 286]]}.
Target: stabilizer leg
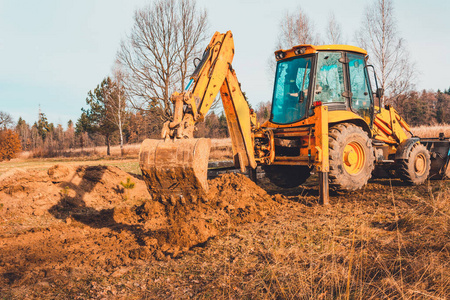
{"points": [[324, 191], [252, 174]]}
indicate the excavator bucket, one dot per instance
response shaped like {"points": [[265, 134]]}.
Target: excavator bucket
{"points": [[440, 156], [175, 170]]}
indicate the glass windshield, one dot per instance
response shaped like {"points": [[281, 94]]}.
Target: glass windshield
{"points": [[290, 95], [330, 78]]}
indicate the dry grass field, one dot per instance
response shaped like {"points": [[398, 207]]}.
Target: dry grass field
{"points": [[220, 149], [431, 131]]}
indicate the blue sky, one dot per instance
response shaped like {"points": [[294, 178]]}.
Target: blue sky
{"points": [[52, 52]]}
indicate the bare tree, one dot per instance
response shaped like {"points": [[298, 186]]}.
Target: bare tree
{"points": [[156, 56], [296, 29], [116, 102], [388, 53], [333, 31], [23, 129], [69, 136], [5, 120]]}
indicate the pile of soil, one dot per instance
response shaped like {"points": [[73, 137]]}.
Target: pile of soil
{"points": [[35, 192], [72, 221]]}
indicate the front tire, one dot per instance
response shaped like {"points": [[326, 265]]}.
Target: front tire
{"points": [[416, 168], [351, 157]]}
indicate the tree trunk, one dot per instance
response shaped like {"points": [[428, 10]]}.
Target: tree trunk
{"points": [[121, 139], [120, 125], [108, 145]]}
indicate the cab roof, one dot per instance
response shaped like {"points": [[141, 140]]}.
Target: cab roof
{"points": [[309, 49]]}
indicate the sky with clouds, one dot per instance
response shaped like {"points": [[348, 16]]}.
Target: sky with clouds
{"points": [[52, 52]]}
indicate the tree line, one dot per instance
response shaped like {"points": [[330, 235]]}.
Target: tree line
{"points": [[156, 59], [96, 127], [93, 129]]}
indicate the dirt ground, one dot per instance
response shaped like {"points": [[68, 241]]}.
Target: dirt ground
{"points": [[77, 232], [90, 219]]}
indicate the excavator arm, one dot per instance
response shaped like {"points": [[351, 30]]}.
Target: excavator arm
{"points": [[239, 122], [175, 168], [191, 105]]}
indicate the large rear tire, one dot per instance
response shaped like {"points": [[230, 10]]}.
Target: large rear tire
{"points": [[287, 176], [416, 168], [351, 157]]}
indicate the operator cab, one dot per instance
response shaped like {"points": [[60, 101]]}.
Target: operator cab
{"points": [[335, 76]]}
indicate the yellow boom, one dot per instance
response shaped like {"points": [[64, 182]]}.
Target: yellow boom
{"points": [[175, 168]]}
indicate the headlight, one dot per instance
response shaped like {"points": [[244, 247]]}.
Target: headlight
{"points": [[300, 51], [280, 55]]}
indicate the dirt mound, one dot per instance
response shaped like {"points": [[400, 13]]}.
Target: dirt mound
{"points": [[68, 221], [232, 199], [242, 199], [36, 191]]}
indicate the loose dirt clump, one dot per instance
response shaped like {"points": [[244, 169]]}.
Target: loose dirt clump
{"points": [[232, 199], [66, 222]]}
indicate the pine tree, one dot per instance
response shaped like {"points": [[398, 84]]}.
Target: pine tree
{"points": [[98, 115], [42, 126]]}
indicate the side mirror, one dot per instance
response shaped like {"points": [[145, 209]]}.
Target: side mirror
{"points": [[379, 93]]}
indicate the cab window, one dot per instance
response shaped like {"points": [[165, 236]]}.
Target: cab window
{"points": [[330, 78], [290, 95], [361, 100]]}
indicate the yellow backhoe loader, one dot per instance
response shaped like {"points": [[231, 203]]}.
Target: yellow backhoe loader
{"points": [[324, 117]]}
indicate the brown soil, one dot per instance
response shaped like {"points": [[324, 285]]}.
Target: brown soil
{"points": [[68, 222], [77, 233]]}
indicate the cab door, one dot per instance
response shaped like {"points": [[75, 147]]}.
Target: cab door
{"points": [[361, 101]]}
